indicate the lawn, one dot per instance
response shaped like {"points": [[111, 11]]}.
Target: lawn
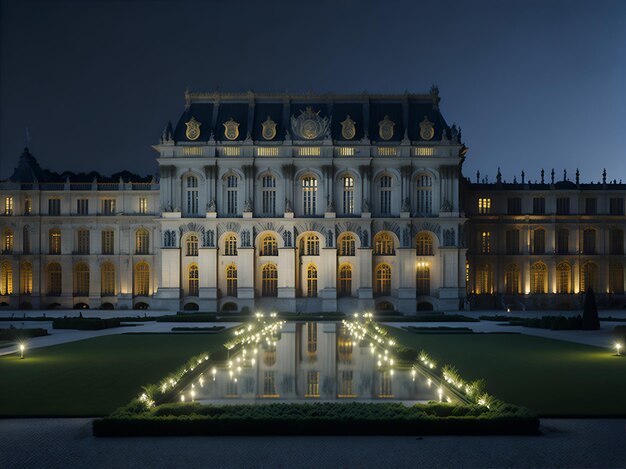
{"points": [[550, 377], [94, 376]]}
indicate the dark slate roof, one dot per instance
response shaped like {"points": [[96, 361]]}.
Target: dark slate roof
{"points": [[28, 170], [203, 113], [275, 112]]}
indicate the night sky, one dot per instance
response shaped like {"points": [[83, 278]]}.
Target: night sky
{"points": [[532, 83]]}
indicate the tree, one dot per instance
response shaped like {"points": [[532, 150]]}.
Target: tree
{"points": [[590, 312]]}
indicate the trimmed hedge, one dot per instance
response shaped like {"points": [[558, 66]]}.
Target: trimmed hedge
{"points": [[187, 317], [198, 329], [85, 324], [21, 334], [424, 318]]}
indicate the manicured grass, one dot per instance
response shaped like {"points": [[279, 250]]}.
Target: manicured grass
{"points": [[94, 376], [549, 377]]}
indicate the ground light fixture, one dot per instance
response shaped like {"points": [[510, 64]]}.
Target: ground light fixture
{"points": [[618, 347], [23, 347]]}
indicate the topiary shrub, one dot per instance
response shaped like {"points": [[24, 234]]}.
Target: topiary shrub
{"points": [[590, 322]]}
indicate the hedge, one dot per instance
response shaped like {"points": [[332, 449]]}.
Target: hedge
{"points": [[21, 334], [85, 324]]}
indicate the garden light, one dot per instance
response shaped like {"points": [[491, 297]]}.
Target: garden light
{"points": [[618, 346], [23, 347]]}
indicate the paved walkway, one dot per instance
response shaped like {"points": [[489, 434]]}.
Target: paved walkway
{"points": [[63, 443]]}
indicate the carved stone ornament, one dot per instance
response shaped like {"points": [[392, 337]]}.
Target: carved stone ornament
{"points": [[231, 129], [348, 128], [193, 129], [385, 128], [309, 125], [269, 129], [427, 129]]}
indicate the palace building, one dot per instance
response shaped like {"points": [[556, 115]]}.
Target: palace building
{"points": [[304, 203]]}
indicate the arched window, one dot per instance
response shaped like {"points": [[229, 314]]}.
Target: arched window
{"points": [[269, 247], [55, 279], [26, 247], [232, 182], [26, 278], [142, 241], [385, 195], [563, 275], [539, 241], [231, 280], [309, 195], [141, 279], [511, 279], [484, 279], [616, 278], [424, 197], [81, 279], [538, 278], [193, 278], [424, 244], [7, 241], [268, 193], [54, 241], [382, 284], [347, 245], [589, 241], [269, 280], [192, 245], [108, 241], [344, 280], [191, 189], [422, 279], [310, 245], [383, 244], [107, 279], [311, 281], [347, 183], [6, 278], [589, 277], [82, 241], [230, 245]]}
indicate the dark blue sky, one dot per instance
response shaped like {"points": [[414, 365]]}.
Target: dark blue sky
{"points": [[532, 83]]}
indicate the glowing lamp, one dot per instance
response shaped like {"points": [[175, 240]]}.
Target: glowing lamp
{"points": [[618, 347], [22, 348]]}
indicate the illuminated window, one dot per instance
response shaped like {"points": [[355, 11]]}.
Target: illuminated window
{"points": [[484, 205], [485, 242], [191, 189], [108, 243], [382, 284], [511, 279], [230, 245], [346, 389], [344, 287], [311, 337], [142, 241], [385, 389], [193, 279], [269, 247], [28, 206], [54, 279], [562, 241], [269, 196], [269, 280], [313, 383], [311, 281], [309, 195], [141, 279], [82, 241], [383, 244], [616, 241], [424, 244], [310, 245], [616, 278], [385, 195], [348, 195], [6, 278], [107, 279], [231, 280], [269, 354], [108, 206], [422, 279], [7, 241], [54, 241], [8, 205], [192, 245], [563, 276], [424, 197], [26, 240], [347, 245], [538, 278], [81, 279], [589, 277], [143, 205], [539, 241], [512, 242], [484, 279], [589, 241], [344, 345], [26, 278], [232, 193]]}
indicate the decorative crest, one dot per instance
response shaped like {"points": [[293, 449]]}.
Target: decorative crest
{"points": [[385, 128], [193, 129], [427, 129], [348, 128], [309, 125], [231, 129], [269, 129]]}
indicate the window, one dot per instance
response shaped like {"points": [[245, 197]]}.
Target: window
{"points": [[616, 206], [142, 241], [193, 278], [309, 195], [269, 383], [192, 245], [107, 279], [81, 279], [589, 277], [231, 280], [514, 205], [26, 278], [385, 389], [422, 279], [385, 195], [562, 241], [616, 278], [269, 196], [311, 338], [484, 279], [82, 206], [311, 281], [269, 247], [424, 199], [424, 245], [589, 241], [344, 287], [538, 278], [107, 242], [143, 205], [344, 345], [616, 241], [28, 206], [484, 205], [6, 278], [346, 384], [485, 242], [511, 279], [54, 206], [231, 194], [563, 275], [108, 206], [54, 241], [348, 195], [562, 205], [382, 284], [590, 206], [8, 205], [539, 205], [191, 189], [7, 241], [383, 244], [54, 279], [347, 245], [269, 280], [310, 245], [230, 245], [141, 279], [26, 248], [82, 241], [539, 241], [313, 383], [512, 242]]}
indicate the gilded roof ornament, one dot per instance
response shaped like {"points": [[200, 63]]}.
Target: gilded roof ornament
{"points": [[385, 128], [309, 125], [231, 129], [427, 129], [193, 129], [348, 128], [269, 129]]}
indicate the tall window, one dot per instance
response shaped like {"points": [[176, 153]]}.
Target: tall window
{"points": [[539, 205], [616, 241], [424, 244], [8, 205], [562, 205], [616, 278], [589, 241], [141, 279], [589, 277], [562, 241], [192, 195], [108, 206], [231, 280], [6, 278], [385, 195], [232, 182], [310, 245], [616, 206], [347, 245], [230, 245], [512, 241], [269, 280], [311, 281], [344, 286], [382, 284], [82, 241], [26, 278], [82, 206], [385, 389], [311, 338], [269, 247], [54, 241], [309, 195], [348, 195], [81, 279], [269, 196], [484, 279], [108, 243], [383, 244], [26, 247], [424, 195], [511, 279], [28, 206], [142, 241], [591, 204], [346, 384], [313, 383], [484, 205], [538, 278], [107, 279], [143, 205], [539, 241], [485, 242], [422, 279], [563, 275], [192, 245], [193, 278], [269, 383], [54, 206], [514, 205], [7, 241], [54, 279]]}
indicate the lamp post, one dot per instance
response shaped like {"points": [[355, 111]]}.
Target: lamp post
{"points": [[22, 348]]}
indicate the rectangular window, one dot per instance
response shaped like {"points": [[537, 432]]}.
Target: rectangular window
{"points": [[28, 207], [589, 241], [107, 242], [269, 383], [54, 206], [562, 241], [309, 195], [484, 205], [590, 206], [539, 205], [385, 195], [616, 241], [231, 195], [485, 242], [512, 242], [348, 195], [346, 384], [8, 205], [616, 206], [562, 206], [108, 206], [143, 205], [82, 206], [269, 196], [539, 241], [82, 242], [514, 205], [313, 384]]}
